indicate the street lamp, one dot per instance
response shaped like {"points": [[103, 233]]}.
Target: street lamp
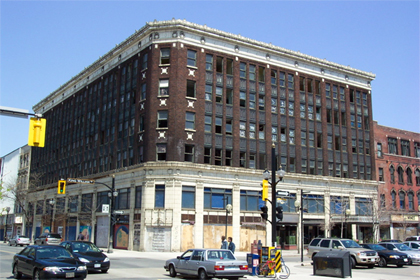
{"points": [[228, 211], [7, 218], [299, 207], [346, 214], [266, 175], [52, 212]]}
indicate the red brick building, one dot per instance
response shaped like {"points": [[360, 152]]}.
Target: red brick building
{"points": [[398, 168]]}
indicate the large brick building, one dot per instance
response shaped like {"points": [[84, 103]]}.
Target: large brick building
{"points": [[398, 163], [184, 116]]}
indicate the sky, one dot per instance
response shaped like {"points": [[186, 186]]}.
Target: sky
{"points": [[43, 44]]}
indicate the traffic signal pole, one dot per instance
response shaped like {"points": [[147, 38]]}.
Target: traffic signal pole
{"points": [[273, 196]]}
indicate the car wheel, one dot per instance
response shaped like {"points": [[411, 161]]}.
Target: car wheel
{"points": [[36, 275], [382, 262], [104, 270], [371, 266], [202, 275], [353, 262], [15, 244], [16, 273], [10, 244], [172, 271], [410, 262], [399, 265]]}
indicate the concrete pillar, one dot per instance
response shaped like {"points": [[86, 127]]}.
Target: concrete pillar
{"points": [[199, 215]]}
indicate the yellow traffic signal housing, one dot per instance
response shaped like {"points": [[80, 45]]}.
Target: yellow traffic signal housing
{"points": [[61, 187], [265, 185], [36, 135]]}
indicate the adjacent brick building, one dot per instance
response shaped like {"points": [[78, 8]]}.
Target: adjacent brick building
{"points": [[184, 116]]}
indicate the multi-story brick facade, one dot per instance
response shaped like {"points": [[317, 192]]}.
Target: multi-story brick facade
{"points": [[398, 163], [183, 105]]}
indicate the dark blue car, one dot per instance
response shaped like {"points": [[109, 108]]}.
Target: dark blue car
{"points": [[89, 254], [47, 262], [387, 256]]}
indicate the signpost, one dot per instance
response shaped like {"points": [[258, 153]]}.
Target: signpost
{"points": [[80, 181], [119, 212], [283, 193]]}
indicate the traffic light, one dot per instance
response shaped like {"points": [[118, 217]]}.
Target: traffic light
{"points": [[264, 213], [279, 213], [36, 136], [61, 187], [265, 185]]}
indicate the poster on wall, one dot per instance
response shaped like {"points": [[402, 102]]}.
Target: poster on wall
{"points": [[46, 229], [60, 230], [86, 232], [121, 236]]}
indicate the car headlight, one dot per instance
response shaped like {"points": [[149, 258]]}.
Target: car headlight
{"points": [[362, 254], [106, 259], [394, 257], [52, 269], [83, 260], [81, 268]]}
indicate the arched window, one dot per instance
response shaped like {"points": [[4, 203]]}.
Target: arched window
{"points": [[402, 200], [394, 199], [409, 176], [400, 175], [418, 177], [391, 172], [410, 196]]}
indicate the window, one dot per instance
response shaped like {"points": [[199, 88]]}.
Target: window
{"points": [[219, 95], [273, 74], [228, 127], [339, 205], [318, 113], [207, 155], [217, 198], [219, 64], [252, 161], [391, 173], [242, 99], [313, 203], [144, 62], [138, 196], [190, 88], [401, 195], [188, 197], [291, 164], [394, 199], [329, 117], [400, 175], [190, 120], [160, 196], [327, 90], [242, 129], [242, 70], [392, 146], [363, 206], [209, 92], [143, 91], [252, 130], [282, 79], [162, 121], [309, 85], [252, 72], [302, 84], [261, 74], [191, 58], [189, 153], [417, 173], [410, 197], [379, 148], [405, 148], [311, 139], [101, 199], [209, 62], [417, 149], [73, 204], [218, 155], [273, 105], [165, 55], [207, 123], [381, 174], [382, 201], [161, 152], [242, 159], [122, 201], [303, 138], [342, 97], [290, 81], [229, 66], [291, 109], [218, 125], [229, 96], [409, 174], [228, 158], [86, 202], [250, 200], [261, 102], [163, 87], [252, 101], [261, 131], [319, 139], [274, 134]]}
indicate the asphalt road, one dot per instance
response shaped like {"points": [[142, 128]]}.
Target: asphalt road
{"points": [[129, 265]]}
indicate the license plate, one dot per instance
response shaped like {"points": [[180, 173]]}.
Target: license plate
{"points": [[372, 260], [406, 260], [70, 275], [230, 268], [97, 265]]}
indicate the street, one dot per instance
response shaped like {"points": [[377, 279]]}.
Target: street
{"points": [[149, 265]]}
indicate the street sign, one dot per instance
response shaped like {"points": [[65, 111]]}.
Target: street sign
{"points": [[105, 208], [282, 193], [118, 212], [80, 181]]}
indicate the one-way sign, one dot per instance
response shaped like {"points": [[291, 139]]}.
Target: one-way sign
{"points": [[282, 193]]}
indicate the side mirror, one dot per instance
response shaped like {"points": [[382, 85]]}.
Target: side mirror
{"points": [[340, 247], [178, 257], [395, 249]]}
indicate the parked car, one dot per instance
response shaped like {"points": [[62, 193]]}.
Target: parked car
{"points": [[391, 240], [415, 245], [413, 255], [46, 262], [358, 255], [89, 254], [48, 238], [19, 240], [387, 256], [207, 263], [413, 238]]}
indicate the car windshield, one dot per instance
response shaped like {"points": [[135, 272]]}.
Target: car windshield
{"points": [[377, 247], [350, 244], [220, 255], [402, 247], [82, 247], [21, 236], [54, 235], [53, 252]]}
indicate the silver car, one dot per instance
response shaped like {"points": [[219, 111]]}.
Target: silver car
{"points": [[19, 240], [413, 255], [207, 263], [48, 239], [415, 245]]}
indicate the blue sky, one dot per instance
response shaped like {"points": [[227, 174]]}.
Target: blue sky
{"points": [[45, 43]]}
